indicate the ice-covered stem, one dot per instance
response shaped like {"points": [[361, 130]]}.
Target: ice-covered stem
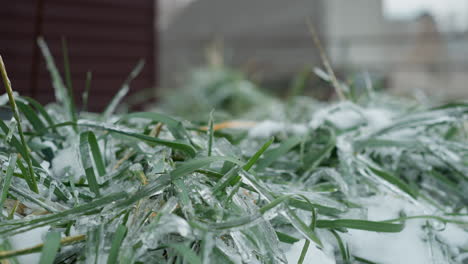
{"points": [[63, 242], [6, 81], [326, 62]]}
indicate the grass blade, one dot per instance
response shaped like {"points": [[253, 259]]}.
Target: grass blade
{"points": [[17, 226], [119, 236], [68, 79], [171, 144], [383, 227], [32, 117], [50, 249], [41, 110], [210, 134], [257, 155], [64, 241], [6, 81], [395, 181], [304, 252], [285, 238], [193, 165], [176, 127], [341, 246], [187, 253], [7, 178], [87, 164], [61, 93], [272, 155], [97, 157]]}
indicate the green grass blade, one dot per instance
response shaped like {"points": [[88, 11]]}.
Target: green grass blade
{"points": [[304, 252], [24, 171], [14, 142], [119, 236], [97, 157], [171, 144], [87, 164], [61, 93], [176, 127], [363, 260], [257, 155], [6, 81], [292, 217], [272, 155], [341, 246], [41, 110], [32, 197], [314, 157], [193, 165], [285, 238], [17, 226], [187, 253], [7, 179], [32, 117], [50, 249], [383, 227], [395, 181], [210, 134], [68, 80]]}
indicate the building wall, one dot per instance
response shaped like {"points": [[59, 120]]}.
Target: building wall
{"points": [[412, 54], [271, 36], [106, 37]]}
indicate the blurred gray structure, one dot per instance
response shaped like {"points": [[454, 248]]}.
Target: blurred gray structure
{"points": [[262, 34], [271, 36]]}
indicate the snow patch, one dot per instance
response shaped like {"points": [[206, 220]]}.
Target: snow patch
{"points": [[314, 254], [28, 239], [408, 246], [269, 128], [346, 116], [65, 158]]}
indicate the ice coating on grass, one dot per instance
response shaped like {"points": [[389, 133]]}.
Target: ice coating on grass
{"points": [[12, 129], [332, 172]]}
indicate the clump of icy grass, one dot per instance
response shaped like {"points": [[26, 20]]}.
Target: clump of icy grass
{"points": [[401, 157], [348, 182]]}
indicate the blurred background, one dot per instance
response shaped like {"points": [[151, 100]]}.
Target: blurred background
{"points": [[407, 46]]}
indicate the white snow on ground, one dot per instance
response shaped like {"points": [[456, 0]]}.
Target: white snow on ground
{"points": [[404, 247], [343, 116], [29, 239], [314, 255], [269, 128], [378, 117], [407, 246], [266, 129], [454, 236], [347, 115], [67, 158]]}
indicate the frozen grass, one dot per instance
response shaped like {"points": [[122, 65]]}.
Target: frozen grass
{"points": [[345, 182]]}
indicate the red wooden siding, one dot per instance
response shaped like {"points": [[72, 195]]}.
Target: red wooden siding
{"points": [[107, 37]]}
